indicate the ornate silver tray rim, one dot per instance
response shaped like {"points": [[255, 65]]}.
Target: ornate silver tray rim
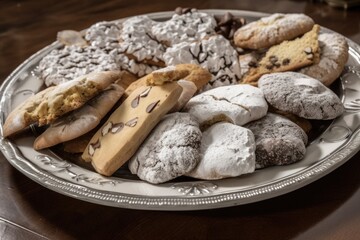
{"points": [[193, 195]]}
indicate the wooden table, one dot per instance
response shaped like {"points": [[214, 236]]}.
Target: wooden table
{"points": [[326, 209]]}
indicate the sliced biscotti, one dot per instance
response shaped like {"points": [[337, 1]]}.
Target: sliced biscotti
{"points": [[287, 56], [128, 126]]}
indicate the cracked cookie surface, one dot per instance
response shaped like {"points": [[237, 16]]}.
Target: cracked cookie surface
{"points": [[237, 104], [171, 150], [278, 140], [301, 95], [226, 150]]}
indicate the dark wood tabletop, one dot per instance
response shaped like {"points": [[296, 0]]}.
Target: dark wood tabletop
{"points": [[326, 209]]}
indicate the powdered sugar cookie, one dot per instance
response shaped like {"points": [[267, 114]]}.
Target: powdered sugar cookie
{"points": [[237, 104], [214, 53], [226, 150], [190, 26], [333, 57], [301, 95], [271, 30], [171, 150], [279, 141]]}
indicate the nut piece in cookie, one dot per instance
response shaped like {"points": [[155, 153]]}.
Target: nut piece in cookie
{"points": [[80, 121], [301, 95], [226, 150], [279, 141], [287, 56], [171, 149], [333, 57], [48, 105], [237, 104], [121, 135], [272, 30]]}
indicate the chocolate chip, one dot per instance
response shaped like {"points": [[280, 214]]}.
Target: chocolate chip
{"points": [[269, 66], [135, 102], [151, 106], [132, 122], [286, 61], [253, 64], [277, 65], [273, 59], [117, 127], [226, 19]]}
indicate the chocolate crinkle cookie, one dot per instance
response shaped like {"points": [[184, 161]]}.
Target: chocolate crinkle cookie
{"points": [[301, 95], [171, 150], [278, 141]]}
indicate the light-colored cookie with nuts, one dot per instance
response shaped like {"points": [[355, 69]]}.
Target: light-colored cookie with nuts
{"points": [[48, 105], [287, 56], [271, 30], [171, 149], [127, 127], [237, 104]]}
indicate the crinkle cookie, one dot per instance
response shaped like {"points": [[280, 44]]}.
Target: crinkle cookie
{"points": [[279, 141], [237, 104], [227, 150], [190, 26], [333, 57], [171, 150], [63, 65], [301, 95], [272, 30], [214, 54], [104, 34]]}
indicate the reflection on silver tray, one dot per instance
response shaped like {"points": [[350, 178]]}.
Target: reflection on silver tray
{"points": [[337, 144]]}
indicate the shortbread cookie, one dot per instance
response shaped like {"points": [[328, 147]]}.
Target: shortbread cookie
{"points": [[333, 57], [188, 27], [171, 149], [287, 56], [80, 121], [237, 104], [190, 72], [271, 30], [301, 95], [279, 141], [226, 150], [119, 138], [214, 53], [48, 105]]}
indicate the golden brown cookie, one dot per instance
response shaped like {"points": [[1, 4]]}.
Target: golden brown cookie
{"points": [[191, 72], [287, 56], [48, 105], [118, 139]]}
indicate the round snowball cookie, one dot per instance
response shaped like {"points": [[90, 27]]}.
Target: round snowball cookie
{"points": [[227, 150], [333, 57], [278, 140], [237, 104], [301, 95], [171, 150]]}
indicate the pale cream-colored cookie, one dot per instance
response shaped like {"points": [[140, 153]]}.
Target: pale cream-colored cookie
{"points": [[118, 139], [287, 56], [80, 121], [190, 72], [271, 30], [48, 105]]}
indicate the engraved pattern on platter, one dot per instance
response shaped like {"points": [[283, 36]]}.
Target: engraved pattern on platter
{"points": [[195, 189], [68, 169]]}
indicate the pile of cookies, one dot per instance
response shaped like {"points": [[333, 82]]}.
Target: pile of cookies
{"points": [[196, 96]]}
